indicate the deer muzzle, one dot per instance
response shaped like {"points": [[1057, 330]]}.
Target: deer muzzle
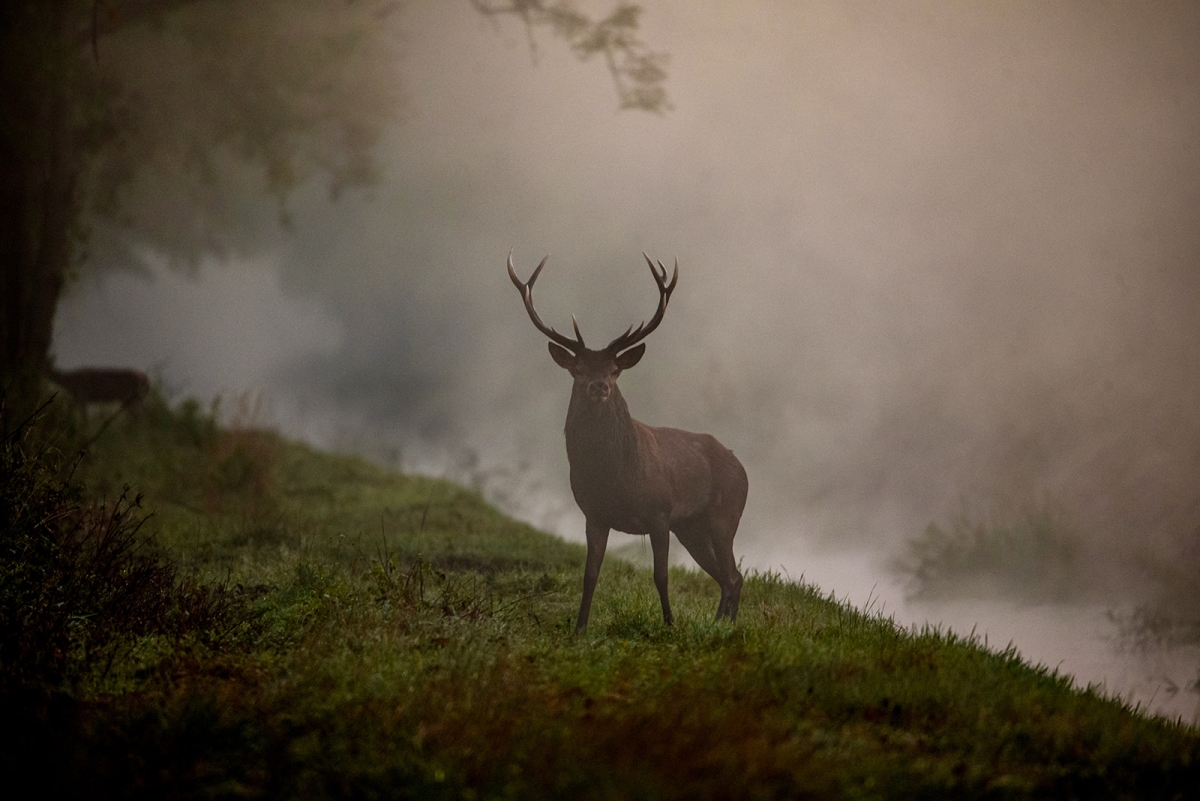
{"points": [[599, 391]]}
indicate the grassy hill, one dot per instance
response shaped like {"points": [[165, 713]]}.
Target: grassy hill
{"points": [[303, 624]]}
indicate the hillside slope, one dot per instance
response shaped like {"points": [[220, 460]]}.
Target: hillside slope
{"points": [[374, 634]]}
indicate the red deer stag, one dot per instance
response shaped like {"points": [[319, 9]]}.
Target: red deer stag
{"points": [[92, 385], [641, 479]]}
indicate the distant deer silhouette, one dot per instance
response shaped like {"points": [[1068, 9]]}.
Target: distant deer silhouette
{"points": [[641, 479], [91, 385]]}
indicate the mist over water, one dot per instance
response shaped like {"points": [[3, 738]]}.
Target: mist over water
{"points": [[929, 253], [1077, 638]]}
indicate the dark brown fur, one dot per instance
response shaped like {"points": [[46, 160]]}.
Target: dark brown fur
{"points": [[91, 385], [641, 479]]}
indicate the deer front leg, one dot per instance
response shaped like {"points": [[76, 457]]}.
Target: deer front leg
{"points": [[660, 543], [597, 543]]}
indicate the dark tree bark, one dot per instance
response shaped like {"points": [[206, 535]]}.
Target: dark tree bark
{"points": [[39, 163]]}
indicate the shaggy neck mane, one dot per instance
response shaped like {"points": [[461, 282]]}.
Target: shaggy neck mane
{"points": [[601, 436]]}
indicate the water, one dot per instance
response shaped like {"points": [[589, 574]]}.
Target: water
{"points": [[1076, 639]]}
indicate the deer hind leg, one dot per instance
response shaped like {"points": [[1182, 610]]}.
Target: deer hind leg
{"points": [[731, 587], [695, 537], [702, 539], [730, 502]]}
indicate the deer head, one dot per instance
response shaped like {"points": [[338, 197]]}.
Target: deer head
{"points": [[595, 371]]}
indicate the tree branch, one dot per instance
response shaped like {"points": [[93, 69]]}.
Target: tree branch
{"points": [[638, 73]]}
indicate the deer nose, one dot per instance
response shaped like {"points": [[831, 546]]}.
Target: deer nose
{"points": [[598, 390]]}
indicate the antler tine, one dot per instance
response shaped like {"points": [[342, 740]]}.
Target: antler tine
{"points": [[575, 325], [526, 289], [512, 274], [632, 335], [661, 279]]}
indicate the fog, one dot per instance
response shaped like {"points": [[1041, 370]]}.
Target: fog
{"points": [[930, 254]]}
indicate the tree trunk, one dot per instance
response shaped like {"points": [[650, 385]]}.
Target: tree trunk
{"points": [[39, 167]]}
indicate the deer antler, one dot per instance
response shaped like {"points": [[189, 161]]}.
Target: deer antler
{"points": [[633, 336], [576, 345]]}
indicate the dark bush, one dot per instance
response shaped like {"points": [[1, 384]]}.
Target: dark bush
{"points": [[1030, 553], [77, 583]]}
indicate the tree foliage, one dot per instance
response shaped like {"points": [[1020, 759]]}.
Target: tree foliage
{"points": [[220, 101], [638, 73]]}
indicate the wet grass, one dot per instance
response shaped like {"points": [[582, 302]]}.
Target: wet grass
{"points": [[395, 636]]}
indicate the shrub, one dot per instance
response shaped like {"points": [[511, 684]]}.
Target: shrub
{"points": [[76, 581], [1032, 554]]}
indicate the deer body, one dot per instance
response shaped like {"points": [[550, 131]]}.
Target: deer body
{"points": [[640, 479], [627, 482], [92, 385]]}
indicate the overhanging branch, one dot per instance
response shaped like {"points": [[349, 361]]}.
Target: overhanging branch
{"points": [[638, 73]]}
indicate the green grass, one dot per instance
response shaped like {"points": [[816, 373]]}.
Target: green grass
{"points": [[394, 636]]}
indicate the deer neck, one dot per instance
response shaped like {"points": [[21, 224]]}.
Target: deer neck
{"points": [[601, 437]]}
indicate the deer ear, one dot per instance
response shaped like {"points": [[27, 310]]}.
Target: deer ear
{"points": [[562, 357], [631, 357]]}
